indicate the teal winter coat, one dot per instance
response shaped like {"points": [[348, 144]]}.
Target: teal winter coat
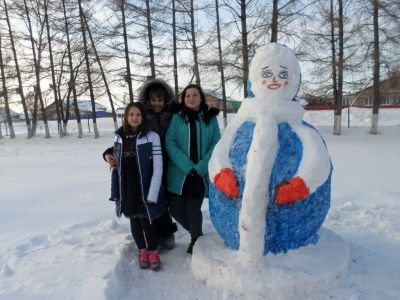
{"points": [[177, 145]]}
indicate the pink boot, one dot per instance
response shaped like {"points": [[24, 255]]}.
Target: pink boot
{"points": [[143, 258], [154, 259]]}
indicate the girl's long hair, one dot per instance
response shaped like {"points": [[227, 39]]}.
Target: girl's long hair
{"points": [[143, 127]]}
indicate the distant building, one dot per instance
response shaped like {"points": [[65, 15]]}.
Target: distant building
{"points": [[85, 110], [3, 115], [214, 100], [389, 90], [318, 101]]}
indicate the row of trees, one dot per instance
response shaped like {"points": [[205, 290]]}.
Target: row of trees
{"points": [[58, 51]]}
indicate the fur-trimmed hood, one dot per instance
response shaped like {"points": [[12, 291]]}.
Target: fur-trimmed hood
{"points": [[144, 92]]}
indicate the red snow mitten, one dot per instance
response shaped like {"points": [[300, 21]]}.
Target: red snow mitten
{"points": [[226, 182], [291, 191]]}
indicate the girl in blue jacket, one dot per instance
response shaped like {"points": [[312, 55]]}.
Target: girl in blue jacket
{"points": [[138, 192], [190, 140]]}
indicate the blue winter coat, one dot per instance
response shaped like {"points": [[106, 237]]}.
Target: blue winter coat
{"points": [[178, 148], [149, 163]]}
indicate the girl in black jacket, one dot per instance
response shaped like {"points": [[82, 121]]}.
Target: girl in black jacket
{"points": [[157, 97], [137, 181]]}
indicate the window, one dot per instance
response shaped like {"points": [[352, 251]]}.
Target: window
{"points": [[368, 100], [385, 100]]}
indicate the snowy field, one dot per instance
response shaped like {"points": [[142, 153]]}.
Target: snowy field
{"points": [[60, 239]]}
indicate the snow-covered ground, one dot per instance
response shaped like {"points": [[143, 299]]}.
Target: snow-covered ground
{"points": [[60, 239]]}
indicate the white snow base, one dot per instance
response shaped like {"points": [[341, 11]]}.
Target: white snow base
{"points": [[300, 273]]}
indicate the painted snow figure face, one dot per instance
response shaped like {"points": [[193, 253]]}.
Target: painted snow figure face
{"points": [[275, 71]]}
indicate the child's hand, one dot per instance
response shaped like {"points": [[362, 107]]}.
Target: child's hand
{"points": [[151, 201], [111, 160]]}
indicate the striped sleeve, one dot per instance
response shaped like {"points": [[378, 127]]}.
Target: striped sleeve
{"points": [[156, 178]]}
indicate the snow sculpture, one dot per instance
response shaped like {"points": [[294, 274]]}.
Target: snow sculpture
{"points": [[270, 193], [271, 170]]}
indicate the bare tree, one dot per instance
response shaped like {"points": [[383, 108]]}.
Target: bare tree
{"points": [[376, 103], [174, 48], [128, 77], [89, 76], [221, 65], [71, 82], [337, 84], [274, 23], [103, 75], [150, 36], [20, 89], [5, 93], [194, 46], [37, 87]]}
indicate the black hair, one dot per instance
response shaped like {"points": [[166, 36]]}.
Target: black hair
{"points": [[203, 105], [156, 90]]}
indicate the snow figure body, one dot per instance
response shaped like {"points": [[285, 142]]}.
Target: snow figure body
{"points": [[270, 171]]}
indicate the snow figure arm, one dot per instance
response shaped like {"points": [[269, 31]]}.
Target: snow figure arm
{"points": [[202, 166], [220, 166], [313, 170], [156, 179]]}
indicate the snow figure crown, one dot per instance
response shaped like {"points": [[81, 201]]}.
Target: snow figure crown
{"points": [[275, 71]]}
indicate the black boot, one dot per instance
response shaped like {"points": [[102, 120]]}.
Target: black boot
{"points": [[190, 248]]}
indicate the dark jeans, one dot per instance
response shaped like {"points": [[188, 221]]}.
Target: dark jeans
{"points": [[164, 225], [187, 211], [142, 232]]}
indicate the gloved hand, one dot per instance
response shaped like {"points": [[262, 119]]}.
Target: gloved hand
{"points": [[291, 191], [226, 182]]}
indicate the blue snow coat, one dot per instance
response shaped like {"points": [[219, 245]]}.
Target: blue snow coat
{"points": [[287, 226], [147, 148]]}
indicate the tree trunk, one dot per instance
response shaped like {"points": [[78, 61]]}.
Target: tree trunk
{"points": [[103, 75], [376, 103], [3, 81], [194, 47], [53, 77], [245, 47], [38, 90], [175, 49], [35, 112], [221, 65], [337, 68], [71, 82], [274, 22], [81, 13], [20, 86], [338, 106], [128, 77], [150, 34], [334, 64]]}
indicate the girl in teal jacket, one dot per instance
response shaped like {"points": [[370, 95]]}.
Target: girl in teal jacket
{"points": [[190, 140]]}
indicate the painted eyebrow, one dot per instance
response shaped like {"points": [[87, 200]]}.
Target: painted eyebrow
{"points": [[283, 67]]}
